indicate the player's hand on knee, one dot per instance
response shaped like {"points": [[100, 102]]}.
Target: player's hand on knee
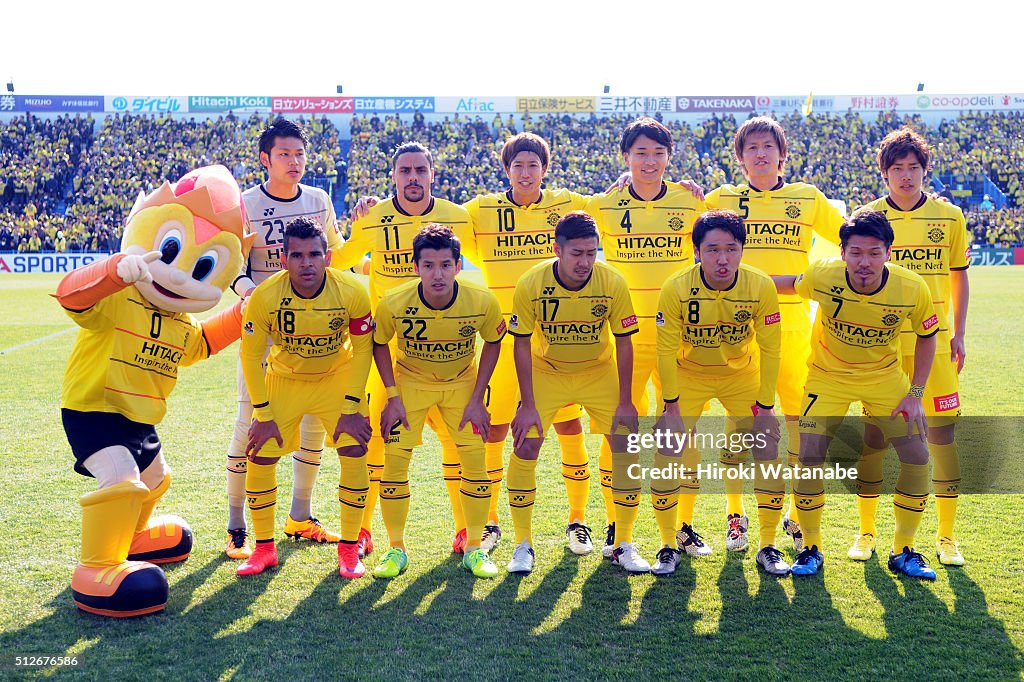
{"points": [[393, 414], [626, 416], [355, 425], [477, 415], [259, 434], [133, 268], [912, 410], [525, 419]]}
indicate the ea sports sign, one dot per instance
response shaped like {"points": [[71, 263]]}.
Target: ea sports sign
{"points": [[47, 262]]}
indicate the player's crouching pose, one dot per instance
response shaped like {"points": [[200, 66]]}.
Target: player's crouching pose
{"points": [[708, 317], [319, 324], [561, 313], [436, 320], [181, 247], [863, 302]]}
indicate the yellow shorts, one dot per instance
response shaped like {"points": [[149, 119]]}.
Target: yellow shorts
{"points": [[449, 405], [796, 348], [597, 391], [293, 398], [826, 403], [942, 392], [736, 392], [502, 395], [645, 367]]}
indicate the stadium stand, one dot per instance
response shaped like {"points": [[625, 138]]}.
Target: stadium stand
{"points": [[67, 183]]}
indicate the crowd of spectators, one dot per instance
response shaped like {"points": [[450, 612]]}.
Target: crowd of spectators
{"points": [[68, 183], [834, 152]]}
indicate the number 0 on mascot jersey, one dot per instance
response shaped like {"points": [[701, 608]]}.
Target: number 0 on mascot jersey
{"points": [[182, 246]]}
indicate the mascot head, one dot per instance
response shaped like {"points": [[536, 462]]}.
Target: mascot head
{"points": [[198, 226]]}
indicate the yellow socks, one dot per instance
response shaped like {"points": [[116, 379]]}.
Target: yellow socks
{"points": [[452, 468], [575, 473], [475, 492], [522, 492], [352, 492], [945, 485], [769, 490], [394, 494], [261, 490], [375, 466], [869, 483], [810, 502], [908, 502], [494, 456], [664, 498]]}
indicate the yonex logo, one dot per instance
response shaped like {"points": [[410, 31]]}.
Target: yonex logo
{"points": [[387, 218], [519, 498], [268, 212], [837, 290], [286, 301], [411, 310], [548, 291], [693, 291], [624, 202]]}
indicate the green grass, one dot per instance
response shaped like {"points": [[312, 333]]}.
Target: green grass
{"points": [[716, 619]]}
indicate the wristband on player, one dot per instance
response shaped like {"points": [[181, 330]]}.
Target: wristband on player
{"points": [[393, 392], [916, 391], [673, 400]]}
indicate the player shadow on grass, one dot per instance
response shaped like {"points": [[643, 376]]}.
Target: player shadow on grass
{"points": [[927, 640]]}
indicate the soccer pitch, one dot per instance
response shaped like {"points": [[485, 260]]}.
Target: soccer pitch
{"points": [[717, 618]]}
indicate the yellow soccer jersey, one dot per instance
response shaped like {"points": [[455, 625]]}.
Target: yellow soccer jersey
{"points": [[931, 240], [313, 337], [386, 232], [706, 331], [266, 217], [437, 348], [572, 325], [648, 242], [126, 357], [780, 224], [856, 337], [508, 239]]}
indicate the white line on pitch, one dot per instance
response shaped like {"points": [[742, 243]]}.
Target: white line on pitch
{"points": [[5, 351]]}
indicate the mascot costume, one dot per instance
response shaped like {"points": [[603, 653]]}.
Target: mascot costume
{"points": [[182, 246]]}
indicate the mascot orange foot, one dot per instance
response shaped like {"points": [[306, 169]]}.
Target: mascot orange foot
{"points": [[105, 582], [160, 539]]}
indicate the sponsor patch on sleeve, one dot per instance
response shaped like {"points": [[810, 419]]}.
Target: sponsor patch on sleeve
{"points": [[773, 318], [930, 322], [249, 328], [360, 326], [513, 322], [659, 319], [501, 327], [628, 322]]}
